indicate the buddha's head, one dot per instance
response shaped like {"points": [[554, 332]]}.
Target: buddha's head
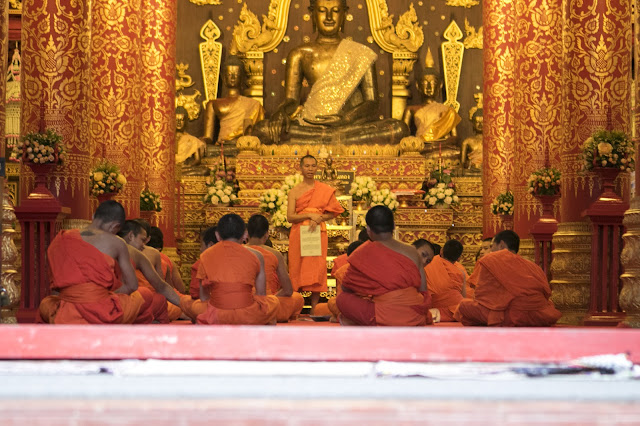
{"points": [[430, 83], [181, 118], [232, 72], [328, 15], [477, 121]]}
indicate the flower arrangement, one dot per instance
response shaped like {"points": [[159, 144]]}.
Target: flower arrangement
{"points": [[41, 148], [220, 192], [503, 204], [439, 189], [441, 195], [275, 201], [385, 197], [545, 181], [106, 178], [608, 149], [149, 201], [228, 174], [362, 188]]}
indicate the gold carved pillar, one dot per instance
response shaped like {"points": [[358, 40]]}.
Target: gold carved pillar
{"points": [[403, 41], [596, 48], [55, 84], [155, 158], [630, 294], [499, 86], [251, 40], [116, 91]]}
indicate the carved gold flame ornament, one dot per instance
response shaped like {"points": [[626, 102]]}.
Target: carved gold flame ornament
{"points": [[452, 53], [210, 56]]}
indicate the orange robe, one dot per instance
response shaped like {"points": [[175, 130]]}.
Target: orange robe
{"points": [[290, 306], [228, 270], [86, 279], [173, 311], [511, 291], [381, 287], [194, 284], [338, 263], [444, 282], [159, 303], [309, 273], [332, 303]]}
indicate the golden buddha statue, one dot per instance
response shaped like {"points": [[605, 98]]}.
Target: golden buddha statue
{"points": [[342, 106], [471, 157], [235, 113], [433, 121], [190, 149]]}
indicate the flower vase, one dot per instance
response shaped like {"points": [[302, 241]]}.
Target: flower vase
{"points": [[150, 216], [547, 202], [41, 171], [507, 221], [105, 197], [442, 206], [607, 177]]}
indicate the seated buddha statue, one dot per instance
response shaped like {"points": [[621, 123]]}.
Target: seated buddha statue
{"points": [[471, 157], [234, 113], [190, 149], [433, 121], [342, 106]]}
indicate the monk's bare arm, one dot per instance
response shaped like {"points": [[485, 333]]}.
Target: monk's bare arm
{"points": [[292, 216], [261, 279], [154, 279], [154, 257], [286, 289], [176, 279], [129, 279]]}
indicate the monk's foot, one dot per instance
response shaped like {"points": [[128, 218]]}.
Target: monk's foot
{"points": [[345, 321]]}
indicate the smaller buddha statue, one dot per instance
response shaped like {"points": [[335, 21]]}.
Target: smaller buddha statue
{"points": [[471, 157], [329, 173], [190, 149], [433, 121], [235, 113]]}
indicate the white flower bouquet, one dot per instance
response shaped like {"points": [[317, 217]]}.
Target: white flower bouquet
{"points": [[608, 149], [441, 194], [362, 188], [42, 148], [106, 178], [220, 192], [385, 197], [503, 204], [275, 201], [149, 201]]}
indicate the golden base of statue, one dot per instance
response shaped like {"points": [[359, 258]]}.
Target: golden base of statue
{"points": [[445, 151]]}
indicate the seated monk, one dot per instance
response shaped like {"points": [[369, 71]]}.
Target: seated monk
{"points": [[511, 291], [83, 271], [485, 248], [232, 281], [134, 234], [339, 276], [426, 250], [275, 269], [341, 260], [385, 282], [170, 272], [446, 279], [207, 239]]}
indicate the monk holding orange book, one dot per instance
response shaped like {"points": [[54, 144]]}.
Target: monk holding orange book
{"points": [[385, 282], [83, 267], [232, 281], [446, 280], [511, 291], [311, 204], [275, 268]]}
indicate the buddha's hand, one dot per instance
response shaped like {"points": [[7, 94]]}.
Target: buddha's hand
{"points": [[331, 120], [279, 122]]}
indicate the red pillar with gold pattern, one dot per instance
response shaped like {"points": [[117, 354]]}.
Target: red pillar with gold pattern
{"points": [[116, 91], [537, 102], [55, 82], [157, 153], [498, 69]]}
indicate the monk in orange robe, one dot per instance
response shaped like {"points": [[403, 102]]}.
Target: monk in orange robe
{"points": [[135, 236], [311, 204], [446, 280], [338, 263], [511, 290], [170, 273], [485, 248], [232, 281], [385, 282], [275, 269], [426, 250], [207, 239], [83, 265]]}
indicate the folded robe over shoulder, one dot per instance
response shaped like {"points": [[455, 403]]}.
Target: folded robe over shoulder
{"points": [[228, 271], [511, 291], [291, 306], [86, 279], [381, 287], [309, 273], [444, 282]]}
